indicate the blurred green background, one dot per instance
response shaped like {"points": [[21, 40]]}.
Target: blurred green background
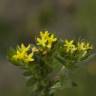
{"points": [[21, 21]]}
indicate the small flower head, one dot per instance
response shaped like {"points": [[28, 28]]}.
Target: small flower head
{"points": [[84, 47], [69, 46], [44, 34], [24, 48], [51, 39], [22, 54], [43, 39], [46, 40], [29, 58]]}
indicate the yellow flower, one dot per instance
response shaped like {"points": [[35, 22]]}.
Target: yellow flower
{"points": [[43, 38], [29, 58], [84, 46], [44, 35], [19, 55], [69, 46], [41, 41], [46, 39], [22, 54], [51, 39], [23, 48]]}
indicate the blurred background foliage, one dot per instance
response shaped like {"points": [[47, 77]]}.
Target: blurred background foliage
{"points": [[21, 21]]}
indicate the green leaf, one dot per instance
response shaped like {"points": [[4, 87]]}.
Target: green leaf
{"points": [[61, 60]]}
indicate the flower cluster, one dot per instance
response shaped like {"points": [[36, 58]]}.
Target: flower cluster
{"points": [[69, 46], [46, 40], [81, 47], [50, 54], [22, 54]]}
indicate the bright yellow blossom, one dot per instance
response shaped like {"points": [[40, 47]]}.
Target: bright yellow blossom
{"points": [[22, 54], [84, 46], [41, 41], [43, 38], [69, 46], [29, 58], [51, 39], [24, 48], [19, 55], [46, 39], [44, 35]]}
